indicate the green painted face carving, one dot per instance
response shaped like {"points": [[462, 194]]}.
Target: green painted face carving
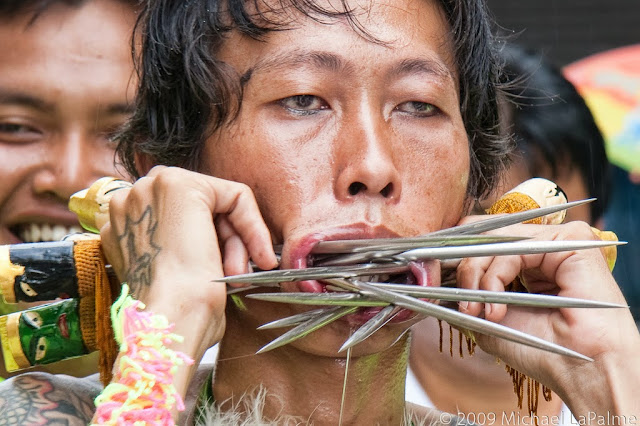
{"points": [[51, 332]]}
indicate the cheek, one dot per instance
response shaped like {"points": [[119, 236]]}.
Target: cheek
{"points": [[440, 171], [15, 167], [280, 178]]}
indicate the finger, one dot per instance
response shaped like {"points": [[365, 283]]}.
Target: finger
{"points": [[109, 234], [468, 276], [501, 271], [237, 202], [235, 255]]}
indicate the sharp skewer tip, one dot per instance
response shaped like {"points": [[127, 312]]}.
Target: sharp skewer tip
{"points": [[458, 319], [370, 327], [307, 327]]}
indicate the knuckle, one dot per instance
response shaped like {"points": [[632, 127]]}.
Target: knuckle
{"points": [[168, 177], [465, 268], [244, 190], [579, 229]]}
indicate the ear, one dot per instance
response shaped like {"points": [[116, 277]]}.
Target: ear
{"points": [[144, 163]]}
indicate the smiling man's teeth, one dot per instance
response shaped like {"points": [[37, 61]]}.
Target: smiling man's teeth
{"points": [[36, 232]]}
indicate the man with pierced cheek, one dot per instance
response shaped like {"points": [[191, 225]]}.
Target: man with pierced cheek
{"points": [[305, 122]]}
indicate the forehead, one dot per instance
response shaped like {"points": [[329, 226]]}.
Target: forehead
{"points": [[383, 31], [65, 45]]}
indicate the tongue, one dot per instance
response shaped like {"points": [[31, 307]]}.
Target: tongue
{"points": [[427, 273], [311, 287]]}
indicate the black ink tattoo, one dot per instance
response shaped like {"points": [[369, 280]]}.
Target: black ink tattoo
{"points": [[45, 399], [139, 272]]}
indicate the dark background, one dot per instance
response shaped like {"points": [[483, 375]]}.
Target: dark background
{"points": [[568, 30]]}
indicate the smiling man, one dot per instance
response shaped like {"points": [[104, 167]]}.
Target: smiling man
{"points": [[307, 121], [65, 86]]}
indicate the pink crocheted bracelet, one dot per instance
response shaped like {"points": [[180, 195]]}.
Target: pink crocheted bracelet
{"points": [[142, 390]]}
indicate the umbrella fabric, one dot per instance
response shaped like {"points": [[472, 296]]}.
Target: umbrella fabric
{"points": [[610, 84]]}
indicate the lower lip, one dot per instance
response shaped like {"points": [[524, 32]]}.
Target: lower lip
{"points": [[9, 237]]}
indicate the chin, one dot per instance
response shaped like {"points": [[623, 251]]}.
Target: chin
{"points": [[327, 341]]}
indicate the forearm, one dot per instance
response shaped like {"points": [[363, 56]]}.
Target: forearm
{"points": [[196, 327]]}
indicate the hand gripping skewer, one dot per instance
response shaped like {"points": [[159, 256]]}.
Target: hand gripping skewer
{"points": [[393, 255]]}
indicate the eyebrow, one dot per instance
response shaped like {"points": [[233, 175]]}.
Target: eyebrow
{"points": [[8, 97], [22, 99], [120, 108], [334, 63], [323, 60], [422, 66]]}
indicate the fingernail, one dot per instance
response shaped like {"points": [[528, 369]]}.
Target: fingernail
{"points": [[487, 309], [463, 305]]}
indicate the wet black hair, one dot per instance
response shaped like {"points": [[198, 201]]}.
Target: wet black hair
{"points": [[551, 123], [185, 92]]}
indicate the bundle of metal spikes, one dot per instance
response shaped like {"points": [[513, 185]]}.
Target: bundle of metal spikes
{"points": [[342, 263]]}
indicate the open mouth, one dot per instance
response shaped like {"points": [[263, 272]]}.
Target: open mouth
{"points": [[39, 232], [416, 273]]}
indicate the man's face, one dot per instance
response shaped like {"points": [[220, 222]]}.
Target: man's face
{"points": [[65, 85], [341, 137]]}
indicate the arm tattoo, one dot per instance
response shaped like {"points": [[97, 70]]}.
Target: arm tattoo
{"points": [[45, 399], [139, 272]]}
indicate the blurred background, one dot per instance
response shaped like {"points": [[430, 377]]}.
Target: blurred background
{"points": [[568, 30], [596, 43]]}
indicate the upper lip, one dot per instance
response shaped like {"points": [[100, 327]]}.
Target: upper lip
{"points": [[50, 216], [295, 255]]}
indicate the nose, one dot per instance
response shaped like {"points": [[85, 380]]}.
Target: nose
{"points": [[365, 160], [72, 163]]}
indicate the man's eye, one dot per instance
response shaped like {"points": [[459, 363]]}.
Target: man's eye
{"points": [[17, 132], [421, 109], [303, 104]]}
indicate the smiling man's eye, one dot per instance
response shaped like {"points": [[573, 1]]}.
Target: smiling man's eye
{"points": [[304, 104], [17, 132], [422, 109]]}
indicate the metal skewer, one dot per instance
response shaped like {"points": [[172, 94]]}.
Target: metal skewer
{"points": [[439, 293], [407, 243], [402, 259], [458, 319], [496, 222], [307, 327], [370, 327], [517, 248], [293, 319], [492, 223], [315, 273]]}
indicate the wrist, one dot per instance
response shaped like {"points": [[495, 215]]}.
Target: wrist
{"points": [[150, 377], [605, 386]]}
